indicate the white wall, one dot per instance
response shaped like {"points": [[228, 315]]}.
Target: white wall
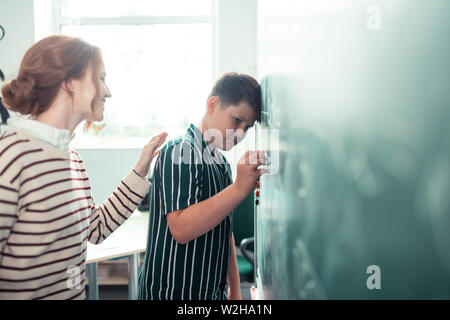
{"points": [[16, 17], [43, 19], [106, 167], [236, 44], [236, 36]]}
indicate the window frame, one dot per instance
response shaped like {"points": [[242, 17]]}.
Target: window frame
{"points": [[59, 21]]}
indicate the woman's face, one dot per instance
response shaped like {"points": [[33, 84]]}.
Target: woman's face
{"points": [[90, 93]]}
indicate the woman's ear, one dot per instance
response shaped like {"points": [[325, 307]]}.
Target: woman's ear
{"points": [[68, 86], [213, 103]]}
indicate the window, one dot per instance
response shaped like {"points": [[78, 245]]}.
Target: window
{"points": [[158, 58], [117, 8]]}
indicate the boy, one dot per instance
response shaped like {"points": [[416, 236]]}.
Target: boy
{"points": [[190, 249]]}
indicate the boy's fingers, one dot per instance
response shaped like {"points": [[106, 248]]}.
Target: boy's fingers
{"points": [[255, 166], [257, 158], [262, 171], [262, 155], [254, 157], [244, 158]]}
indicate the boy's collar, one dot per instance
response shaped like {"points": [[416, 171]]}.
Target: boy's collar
{"points": [[198, 135], [200, 139]]}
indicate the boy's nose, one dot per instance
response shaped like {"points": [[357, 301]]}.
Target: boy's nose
{"points": [[240, 133], [239, 136]]}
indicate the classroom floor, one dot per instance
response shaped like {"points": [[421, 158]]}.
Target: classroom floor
{"points": [[120, 292]]}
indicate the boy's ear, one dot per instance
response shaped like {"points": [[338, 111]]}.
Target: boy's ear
{"points": [[213, 103]]}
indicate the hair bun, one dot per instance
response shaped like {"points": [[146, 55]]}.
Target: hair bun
{"points": [[19, 94], [25, 85]]}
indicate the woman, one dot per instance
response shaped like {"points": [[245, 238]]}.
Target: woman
{"points": [[47, 213]]}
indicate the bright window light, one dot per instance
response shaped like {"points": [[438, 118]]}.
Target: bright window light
{"points": [[117, 8], [159, 74]]}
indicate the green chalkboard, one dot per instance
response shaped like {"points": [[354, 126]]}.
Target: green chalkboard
{"points": [[356, 102]]}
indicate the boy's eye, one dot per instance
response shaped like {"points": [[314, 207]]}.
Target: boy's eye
{"points": [[236, 120]]}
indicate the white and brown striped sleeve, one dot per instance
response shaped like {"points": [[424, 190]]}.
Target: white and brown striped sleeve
{"points": [[9, 193], [117, 208]]}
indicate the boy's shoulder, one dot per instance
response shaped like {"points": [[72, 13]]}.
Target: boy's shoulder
{"points": [[171, 144], [180, 142], [181, 148]]}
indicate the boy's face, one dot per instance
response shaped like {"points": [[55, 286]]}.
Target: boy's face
{"points": [[227, 126]]}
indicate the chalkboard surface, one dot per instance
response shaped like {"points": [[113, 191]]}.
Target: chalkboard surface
{"points": [[356, 115]]}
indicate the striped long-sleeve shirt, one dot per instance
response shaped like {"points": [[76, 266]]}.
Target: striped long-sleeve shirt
{"points": [[47, 215]]}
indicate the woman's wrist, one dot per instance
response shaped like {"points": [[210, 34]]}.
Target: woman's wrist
{"points": [[139, 173]]}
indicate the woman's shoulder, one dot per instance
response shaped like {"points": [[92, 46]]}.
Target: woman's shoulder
{"points": [[13, 141], [14, 147]]}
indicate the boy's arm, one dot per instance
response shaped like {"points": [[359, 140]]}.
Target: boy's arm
{"points": [[197, 219], [234, 281]]}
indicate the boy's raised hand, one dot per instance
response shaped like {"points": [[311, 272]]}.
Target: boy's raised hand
{"points": [[248, 172], [149, 151]]}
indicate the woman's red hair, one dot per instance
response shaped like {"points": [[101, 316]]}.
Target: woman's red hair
{"points": [[44, 68]]}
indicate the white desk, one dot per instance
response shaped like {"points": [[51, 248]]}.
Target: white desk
{"points": [[129, 240]]}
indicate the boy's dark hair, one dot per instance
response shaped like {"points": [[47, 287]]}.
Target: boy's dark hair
{"points": [[233, 88]]}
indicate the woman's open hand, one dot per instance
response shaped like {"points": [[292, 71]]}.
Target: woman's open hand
{"points": [[149, 151]]}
